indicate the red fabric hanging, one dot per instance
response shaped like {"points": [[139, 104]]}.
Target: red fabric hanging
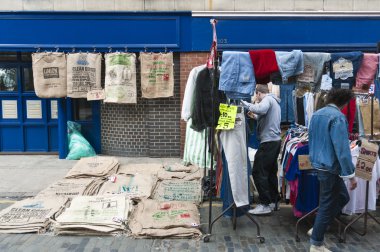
{"points": [[264, 63], [349, 111]]}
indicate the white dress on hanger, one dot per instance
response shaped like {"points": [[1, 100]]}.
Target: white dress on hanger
{"points": [[356, 204]]}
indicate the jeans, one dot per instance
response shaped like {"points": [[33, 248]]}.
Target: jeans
{"points": [[237, 75], [333, 196], [287, 110], [234, 143], [289, 63], [264, 171]]}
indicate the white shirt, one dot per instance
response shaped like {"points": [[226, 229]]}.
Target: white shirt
{"points": [[189, 92]]}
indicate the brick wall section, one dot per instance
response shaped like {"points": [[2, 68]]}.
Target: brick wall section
{"points": [[149, 129], [188, 61]]}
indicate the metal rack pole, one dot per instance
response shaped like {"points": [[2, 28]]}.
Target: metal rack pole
{"points": [[206, 238]]}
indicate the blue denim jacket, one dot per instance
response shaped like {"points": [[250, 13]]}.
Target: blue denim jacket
{"points": [[328, 142]]}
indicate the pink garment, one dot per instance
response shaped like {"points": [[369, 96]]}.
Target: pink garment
{"points": [[293, 191], [293, 197], [366, 73]]}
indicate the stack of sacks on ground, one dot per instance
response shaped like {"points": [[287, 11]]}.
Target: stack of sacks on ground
{"points": [[179, 183], [167, 171], [136, 186], [68, 188], [145, 169], [179, 171], [178, 189], [30, 215], [94, 215], [97, 166], [156, 219], [94, 187]]}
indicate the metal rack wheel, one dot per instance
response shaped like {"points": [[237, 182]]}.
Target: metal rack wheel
{"points": [[262, 239], [206, 238]]}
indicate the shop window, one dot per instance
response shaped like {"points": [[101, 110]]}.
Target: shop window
{"points": [[26, 57], [82, 110], [8, 79], [8, 56], [28, 79]]}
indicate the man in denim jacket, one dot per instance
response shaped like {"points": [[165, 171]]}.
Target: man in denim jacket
{"points": [[330, 155]]}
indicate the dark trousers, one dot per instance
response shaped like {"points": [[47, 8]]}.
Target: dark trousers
{"points": [[264, 171], [333, 196]]}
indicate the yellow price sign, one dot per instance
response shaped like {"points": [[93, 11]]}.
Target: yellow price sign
{"points": [[227, 117]]}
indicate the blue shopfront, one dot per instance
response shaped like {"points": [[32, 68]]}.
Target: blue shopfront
{"points": [[29, 124], [33, 125]]}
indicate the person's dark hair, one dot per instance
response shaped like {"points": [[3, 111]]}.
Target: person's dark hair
{"points": [[339, 97], [262, 88]]}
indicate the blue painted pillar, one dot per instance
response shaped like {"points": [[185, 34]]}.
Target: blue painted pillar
{"points": [[62, 128]]}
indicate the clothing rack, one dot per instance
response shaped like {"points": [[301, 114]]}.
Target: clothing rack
{"points": [[206, 237], [301, 127], [365, 214]]}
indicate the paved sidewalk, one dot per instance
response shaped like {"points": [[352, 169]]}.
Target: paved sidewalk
{"points": [[26, 175]]}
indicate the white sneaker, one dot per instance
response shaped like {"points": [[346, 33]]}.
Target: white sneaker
{"points": [[261, 209], [322, 248], [310, 232], [273, 206]]}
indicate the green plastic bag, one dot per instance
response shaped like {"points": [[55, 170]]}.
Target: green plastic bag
{"points": [[78, 145]]}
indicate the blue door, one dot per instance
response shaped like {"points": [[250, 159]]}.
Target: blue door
{"points": [[27, 123], [87, 114], [30, 124]]}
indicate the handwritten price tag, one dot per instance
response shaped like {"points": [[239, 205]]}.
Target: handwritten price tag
{"points": [[227, 117], [94, 95], [366, 160], [304, 162]]}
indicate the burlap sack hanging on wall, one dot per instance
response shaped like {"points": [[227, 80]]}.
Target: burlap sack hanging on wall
{"points": [[157, 75], [120, 83], [49, 74], [83, 74]]}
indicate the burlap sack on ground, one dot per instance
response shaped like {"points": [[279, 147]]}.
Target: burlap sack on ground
{"points": [[49, 74], [30, 215], [157, 75], [98, 166], [67, 188], [194, 174], [103, 215], [147, 169], [365, 109], [165, 219], [94, 187], [179, 190], [177, 167], [135, 187], [120, 82], [83, 74]]}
